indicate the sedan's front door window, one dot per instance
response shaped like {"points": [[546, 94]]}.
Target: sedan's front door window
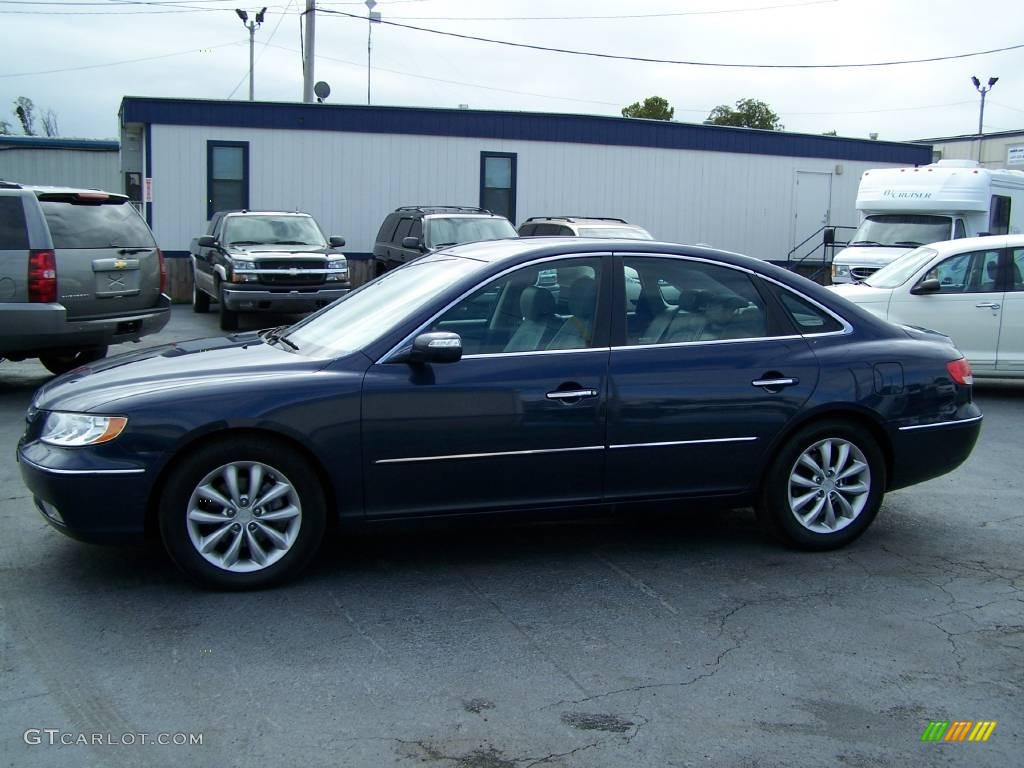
{"points": [[1017, 269], [546, 306], [671, 301]]}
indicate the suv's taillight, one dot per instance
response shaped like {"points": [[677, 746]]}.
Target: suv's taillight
{"points": [[960, 370], [163, 271], [42, 277]]}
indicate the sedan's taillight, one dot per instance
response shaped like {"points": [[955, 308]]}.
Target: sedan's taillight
{"points": [[42, 277], [163, 271], [960, 370]]}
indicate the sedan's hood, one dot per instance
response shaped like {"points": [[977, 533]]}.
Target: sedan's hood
{"points": [[869, 255], [242, 357]]}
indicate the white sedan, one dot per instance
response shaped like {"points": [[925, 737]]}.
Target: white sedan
{"points": [[969, 289]]}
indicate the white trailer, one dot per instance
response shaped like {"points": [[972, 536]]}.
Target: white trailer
{"points": [[903, 208]]}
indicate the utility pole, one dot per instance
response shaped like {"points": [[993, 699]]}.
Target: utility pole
{"points": [[981, 114], [252, 27], [371, 17], [307, 65]]}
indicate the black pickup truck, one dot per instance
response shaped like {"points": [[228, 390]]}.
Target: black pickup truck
{"points": [[266, 261]]}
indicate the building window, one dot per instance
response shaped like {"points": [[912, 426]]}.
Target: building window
{"points": [[227, 176], [498, 183], [999, 221]]}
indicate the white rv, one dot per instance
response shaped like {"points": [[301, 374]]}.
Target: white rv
{"points": [[903, 208]]}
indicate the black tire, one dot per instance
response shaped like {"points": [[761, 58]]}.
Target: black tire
{"points": [[185, 479], [67, 360], [774, 508], [228, 318], [379, 268], [200, 299]]}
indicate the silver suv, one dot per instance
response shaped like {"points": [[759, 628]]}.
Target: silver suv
{"points": [[79, 271], [582, 226]]}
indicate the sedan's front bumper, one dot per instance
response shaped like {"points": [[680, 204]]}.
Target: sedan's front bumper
{"points": [[294, 300], [83, 496]]}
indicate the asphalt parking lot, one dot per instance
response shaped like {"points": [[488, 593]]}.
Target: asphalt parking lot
{"points": [[655, 638]]}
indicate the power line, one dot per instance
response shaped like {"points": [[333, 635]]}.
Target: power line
{"points": [[683, 62], [667, 14], [1004, 106], [118, 63]]}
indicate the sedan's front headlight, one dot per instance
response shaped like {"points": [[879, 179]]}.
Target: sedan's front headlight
{"points": [[72, 430]]}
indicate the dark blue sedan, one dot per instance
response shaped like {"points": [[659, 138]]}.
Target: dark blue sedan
{"points": [[508, 376]]}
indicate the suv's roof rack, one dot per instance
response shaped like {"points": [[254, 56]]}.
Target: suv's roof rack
{"points": [[9, 184], [574, 218], [443, 209]]}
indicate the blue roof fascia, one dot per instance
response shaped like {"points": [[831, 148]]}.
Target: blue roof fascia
{"points": [[59, 143], [522, 126]]}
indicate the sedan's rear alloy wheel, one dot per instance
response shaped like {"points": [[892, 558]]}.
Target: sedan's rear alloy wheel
{"points": [[825, 486], [242, 515]]}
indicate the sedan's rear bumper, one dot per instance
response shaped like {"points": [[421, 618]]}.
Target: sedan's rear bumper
{"points": [[94, 502], [28, 329], [924, 451], [280, 300]]}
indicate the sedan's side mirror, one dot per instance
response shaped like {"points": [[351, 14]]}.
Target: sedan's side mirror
{"points": [[931, 285], [412, 242], [336, 242], [207, 241], [437, 347]]}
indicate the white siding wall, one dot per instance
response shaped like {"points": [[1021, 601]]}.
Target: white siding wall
{"points": [[350, 181], [97, 169]]}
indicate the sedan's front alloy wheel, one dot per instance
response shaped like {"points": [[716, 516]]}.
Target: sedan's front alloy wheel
{"points": [[242, 513], [825, 486]]}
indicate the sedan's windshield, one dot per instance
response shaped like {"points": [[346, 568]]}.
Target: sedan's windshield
{"points": [[626, 233], [378, 307], [466, 229], [272, 230], [907, 230], [898, 272]]}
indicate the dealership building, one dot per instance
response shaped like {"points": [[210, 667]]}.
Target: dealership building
{"points": [[757, 192]]}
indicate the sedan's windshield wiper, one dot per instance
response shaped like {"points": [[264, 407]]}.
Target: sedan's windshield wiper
{"points": [[864, 242], [270, 335]]}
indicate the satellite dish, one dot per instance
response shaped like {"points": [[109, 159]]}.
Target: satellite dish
{"points": [[322, 90]]}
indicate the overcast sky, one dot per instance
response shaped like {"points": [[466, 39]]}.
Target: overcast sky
{"points": [[204, 54]]}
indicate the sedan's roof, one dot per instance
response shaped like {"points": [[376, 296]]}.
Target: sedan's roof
{"points": [[946, 247]]}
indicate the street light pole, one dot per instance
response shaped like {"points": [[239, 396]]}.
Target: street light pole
{"points": [[981, 114], [251, 26], [371, 17]]}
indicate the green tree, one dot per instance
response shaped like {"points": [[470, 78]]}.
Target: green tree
{"points": [[25, 111], [749, 113], [5, 128], [653, 108]]}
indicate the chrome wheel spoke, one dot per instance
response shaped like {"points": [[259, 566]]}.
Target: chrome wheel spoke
{"points": [[803, 482], [237, 537], [808, 461], [275, 536], [208, 543], [284, 513], [207, 491], [845, 508], [855, 468], [801, 501], [813, 515], [280, 489], [830, 514], [199, 516], [854, 489], [841, 458]]}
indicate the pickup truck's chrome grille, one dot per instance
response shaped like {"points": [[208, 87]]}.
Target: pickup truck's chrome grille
{"points": [[285, 277]]}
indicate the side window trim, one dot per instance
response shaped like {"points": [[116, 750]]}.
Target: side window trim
{"points": [[601, 337]]}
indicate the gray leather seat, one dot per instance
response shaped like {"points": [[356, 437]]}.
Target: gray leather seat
{"points": [[539, 321], [578, 331]]}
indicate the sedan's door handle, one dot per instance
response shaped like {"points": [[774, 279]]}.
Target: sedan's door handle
{"points": [[571, 394], [774, 383], [987, 305]]}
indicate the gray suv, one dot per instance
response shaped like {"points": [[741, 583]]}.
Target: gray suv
{"points": [[413, 230], [79, 271], [582, 226]]}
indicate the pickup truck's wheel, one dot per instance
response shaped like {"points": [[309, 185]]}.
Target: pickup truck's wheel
{"points": [[200, 299], [825, 486], [228, 317], [67, 360], [242, 513]]}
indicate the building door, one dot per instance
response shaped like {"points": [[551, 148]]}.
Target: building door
{"points": [[812, 204]]}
